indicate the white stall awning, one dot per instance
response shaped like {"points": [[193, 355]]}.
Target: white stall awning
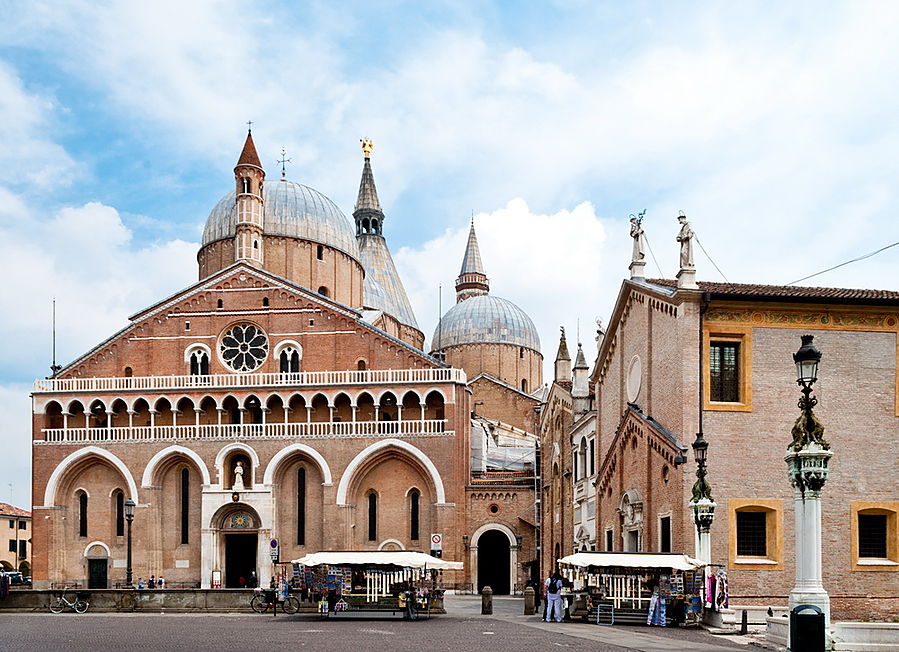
{"points": [[402, 559], [674, 561]]}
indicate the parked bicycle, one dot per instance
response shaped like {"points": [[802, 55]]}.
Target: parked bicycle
{"points": [[263, 600], [80, 603]]}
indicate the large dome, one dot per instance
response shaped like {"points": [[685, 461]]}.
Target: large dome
{"points": [[486, 319], [292, 210]]}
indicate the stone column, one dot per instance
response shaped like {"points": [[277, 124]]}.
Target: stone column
{"points": [[808, 473]]}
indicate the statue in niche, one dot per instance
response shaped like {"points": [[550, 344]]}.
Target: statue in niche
{"points": [[238, 477], [685, 238]]}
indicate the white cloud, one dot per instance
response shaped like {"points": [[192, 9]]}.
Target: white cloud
{"points": [[15, 438], [548, 265]]}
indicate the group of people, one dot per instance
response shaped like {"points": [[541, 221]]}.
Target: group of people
{"points": [[152, 583]]}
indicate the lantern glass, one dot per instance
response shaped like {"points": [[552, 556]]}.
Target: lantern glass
{"points": [[700, 448], [129, 508], [807, 371]]}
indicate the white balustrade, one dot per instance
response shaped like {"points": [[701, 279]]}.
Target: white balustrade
{"points": [[304, 430], [232, 381]]}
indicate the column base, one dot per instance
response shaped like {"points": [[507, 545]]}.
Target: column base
{"points": [[819, 598], [637, 269], [686, 279]]}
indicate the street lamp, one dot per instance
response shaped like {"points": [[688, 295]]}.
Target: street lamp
{"points": [[702, 504], [807, 458], [129, 516]]}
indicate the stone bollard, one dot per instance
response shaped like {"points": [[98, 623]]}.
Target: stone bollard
{"points": [[529, 609], [487, 601]]}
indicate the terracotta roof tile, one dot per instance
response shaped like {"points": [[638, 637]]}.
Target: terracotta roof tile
{"points": [[249, 156], [787, 291], [10, 510]]}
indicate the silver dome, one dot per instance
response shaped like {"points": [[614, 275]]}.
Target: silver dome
{"points": [[292, 210], [486, 319]]}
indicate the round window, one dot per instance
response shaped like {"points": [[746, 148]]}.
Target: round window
{"points": [[494, 509], [243, 347]]}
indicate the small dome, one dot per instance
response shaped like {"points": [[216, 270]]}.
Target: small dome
{"points": [[290, 209], [486, 319]]}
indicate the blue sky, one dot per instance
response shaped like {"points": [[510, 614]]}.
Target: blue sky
{"points": [[772, 125]]}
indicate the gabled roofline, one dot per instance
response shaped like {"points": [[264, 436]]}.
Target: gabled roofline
{"points": [[204, 285], [503, 383]]}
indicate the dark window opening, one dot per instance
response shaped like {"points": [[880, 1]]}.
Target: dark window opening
{"points": [[609, 540], [265, 302], [185, 505], [129, 372], [219, 303], [255, 244], [724, 372], [82, 514], [12, 524], [23, 551], [119, 514], [301, 506], [872, 535], [187, 325], [199, 363], [592, 456], [524, 385], [12, 545], [413, 515], [521, 352], [246, 185], [665, 534], [323, 291], [289, 361], [320, 252], [360, 365], [372, 516], [752, 534]]}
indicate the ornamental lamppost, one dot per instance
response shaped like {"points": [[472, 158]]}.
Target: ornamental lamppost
{"points": [[807, 459], [129, 516], [702, 504]]}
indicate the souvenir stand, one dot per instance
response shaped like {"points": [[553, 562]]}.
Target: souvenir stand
{"points": [[637, 588], [381, 581]]}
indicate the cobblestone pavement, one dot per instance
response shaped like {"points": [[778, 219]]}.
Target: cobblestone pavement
{"points": [[463, 629]]}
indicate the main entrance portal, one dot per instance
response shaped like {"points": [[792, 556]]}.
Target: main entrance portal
{"points": [[240, 558], [493, 562]]}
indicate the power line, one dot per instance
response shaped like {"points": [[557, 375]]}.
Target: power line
{"points": [[854, 260], [649, 246], [710, 258]]}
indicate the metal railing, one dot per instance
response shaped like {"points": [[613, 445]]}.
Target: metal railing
{"points": [[232, 381], [305, 430]]}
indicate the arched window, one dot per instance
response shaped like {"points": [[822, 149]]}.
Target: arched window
{"points": [[414, 498], [246, 185], [372, 516], [185, 505], [323, 291], [119, 513], [255, 244], [360, 365], [320, 252], [520, 352], [524, 384], [199, 363], [265, 302], [129, 372], [218, 304], [82, 514], [289, 360], [301, 506]]}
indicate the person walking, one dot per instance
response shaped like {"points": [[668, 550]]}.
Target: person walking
{"points": [[554, 597]]}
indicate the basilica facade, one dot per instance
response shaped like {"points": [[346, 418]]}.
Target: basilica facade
{"points": [[286, 399]]}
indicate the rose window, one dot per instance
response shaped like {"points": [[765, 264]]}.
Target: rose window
{"points": [[244, 347]]}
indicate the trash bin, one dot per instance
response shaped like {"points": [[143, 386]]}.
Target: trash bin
{"points": [[807, 629]]}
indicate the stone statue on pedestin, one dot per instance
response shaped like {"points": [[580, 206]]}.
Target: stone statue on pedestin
{"points": [[685, 238]]}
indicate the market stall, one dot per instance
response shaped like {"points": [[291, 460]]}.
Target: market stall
{"points": [[622, 587], [345, 582]]}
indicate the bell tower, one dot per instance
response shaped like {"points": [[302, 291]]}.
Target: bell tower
{"points": [[249, 177]]}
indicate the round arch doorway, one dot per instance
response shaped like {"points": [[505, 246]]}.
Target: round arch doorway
{"points": [[239, 542], [494, 552]]}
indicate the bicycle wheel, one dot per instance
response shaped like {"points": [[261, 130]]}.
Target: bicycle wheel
{"points": [[81, 606], [57, 606], [258, 604], [291, 605]]}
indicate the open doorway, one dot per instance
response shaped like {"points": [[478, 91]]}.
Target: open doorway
{"points": [[240, 559], [493, 562]]}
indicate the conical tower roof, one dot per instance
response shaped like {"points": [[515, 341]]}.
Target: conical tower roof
{"points": [[368, 193], [562, 353], [580, 361], [248, 155], [471, 262]]}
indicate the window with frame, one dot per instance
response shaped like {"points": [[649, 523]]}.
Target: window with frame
{"points": [[119, 513], [12, 524], [752, 534], [82, 514], [414, 515], [301, 506], [609, 536], [724, 371], [12, 545], [872, 536], [23, 551], [23, 525], [185, 505]]}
